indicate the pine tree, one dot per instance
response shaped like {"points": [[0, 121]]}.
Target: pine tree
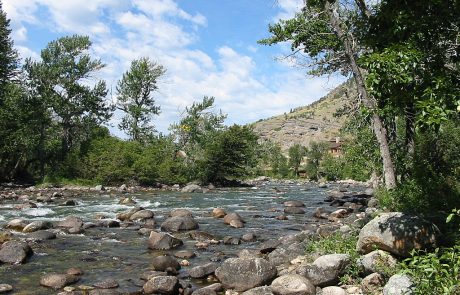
{"points": [[8, 55]]}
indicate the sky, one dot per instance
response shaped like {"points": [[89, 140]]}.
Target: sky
{"points": [[209, 48]]}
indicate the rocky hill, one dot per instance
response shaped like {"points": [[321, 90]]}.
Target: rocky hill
{"points": [[315, 122]]}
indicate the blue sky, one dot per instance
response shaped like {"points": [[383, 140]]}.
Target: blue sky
{"points": [[209, 47]]}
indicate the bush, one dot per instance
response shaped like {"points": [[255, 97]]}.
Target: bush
{"points": [[435, 273]]}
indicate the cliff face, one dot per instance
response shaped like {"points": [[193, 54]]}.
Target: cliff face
{"points": [[315, 122]]}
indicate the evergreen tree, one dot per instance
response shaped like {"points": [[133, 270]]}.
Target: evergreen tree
{"points": [[8, 55]]}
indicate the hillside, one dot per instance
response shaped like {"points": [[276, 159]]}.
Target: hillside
{"points": [[315, 122]]}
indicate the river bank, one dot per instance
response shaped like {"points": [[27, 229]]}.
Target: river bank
{"points": [[103, 246]]}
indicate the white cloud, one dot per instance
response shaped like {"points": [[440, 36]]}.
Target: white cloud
{"points": [[288, 8], [125, 30]]}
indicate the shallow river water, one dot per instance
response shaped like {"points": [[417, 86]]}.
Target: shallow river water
{"points": [[122, 254]]}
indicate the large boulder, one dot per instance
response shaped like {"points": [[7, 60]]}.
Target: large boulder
{"points": [[16, 224], [192, 188], [292, 284], [202, 271], [179, 223], [243, 274], [125, 215], [399, 285], [397, 233], [14, 252], [326, 270], [377, 261], [286, 252], [181, 212], [163, 241], [168, 285], [58, 281]]}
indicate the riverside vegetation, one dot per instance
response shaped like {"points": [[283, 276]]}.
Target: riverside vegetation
{"points": [[403, 124]]}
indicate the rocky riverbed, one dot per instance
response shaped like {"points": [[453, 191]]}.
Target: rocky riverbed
{"points": [[129, 241]]}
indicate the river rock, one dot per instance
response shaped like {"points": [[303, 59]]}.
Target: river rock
{"points": [[108, 223], [163, 241], [58, 281], [17, 224], [294, 210], [243, 274], [236, 223], [249, 237], [201, 236], [325, 270], [69, 203], [192, 188], [71, 222], [233, 216], [377, 261], [5, 288], [145, 231], [106, 284], [162, 263], [372, 283], [294, 204], [127, 201], [248, 253], [264, 290], [292, 284], [229, 240], [399, 285], [202, 271], [333, 290], [184, 254], [168, 285], [269, 245], [99, 292], [209, 290], [147, 275], [181, 213], [397, 233], [142, 215], [5, 236], [37, 225], [125, 215], [179, 223], [14, 252], [41, 235], [218, 213], [286, 252], [338, 214]]}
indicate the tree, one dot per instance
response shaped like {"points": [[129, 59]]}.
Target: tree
{"points": [[8, 55], [198, 122], [228, 154], [315, 153], [296, 154], [135, 97], [325, 32], [62, 80]]}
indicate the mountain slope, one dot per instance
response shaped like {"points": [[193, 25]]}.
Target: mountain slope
{"points": [[315, 122]]}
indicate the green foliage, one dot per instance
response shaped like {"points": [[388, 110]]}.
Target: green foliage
{"points": [[272, 162], [134, 97], [315, 154], [8, 55], [437, 272], [434, 184], [296, 154], [339, 243], [60, 80], [228, 154]]}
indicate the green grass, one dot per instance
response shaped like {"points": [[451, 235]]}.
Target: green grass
{"points": [[60, 181]]}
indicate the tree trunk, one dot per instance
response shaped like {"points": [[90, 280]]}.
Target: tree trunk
{"points": [[377, 124]]}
